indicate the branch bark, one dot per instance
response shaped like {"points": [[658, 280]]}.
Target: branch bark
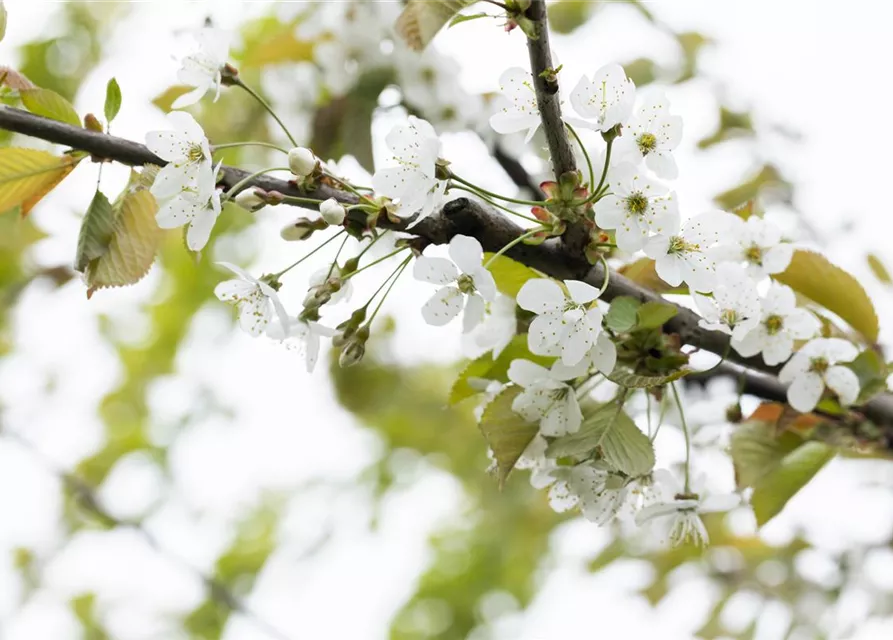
{"points": [[460, 216]]}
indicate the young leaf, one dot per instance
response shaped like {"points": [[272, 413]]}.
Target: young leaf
{"points": [[134, 241], [96, 231], [872, 372], [2, 20], [622, 316], [757, 448], [813, 276], [795, 470], [879, 269], [509, 275], [642, 272], [632, 381], [622, 443], [27, 175], [11, 78], [49, 104], [507, 433], [422, 19], [485, 367], [654, 314], [464, 17], [112, 101]]}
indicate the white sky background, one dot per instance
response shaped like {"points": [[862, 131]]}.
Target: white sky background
{"points": [[820, 68]]}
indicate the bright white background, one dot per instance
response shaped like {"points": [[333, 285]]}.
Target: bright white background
{"points": [[820, 68]]}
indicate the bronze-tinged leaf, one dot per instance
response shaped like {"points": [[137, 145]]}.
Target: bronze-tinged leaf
{"points": [[422, 19], [14, 80], [27, 175]]}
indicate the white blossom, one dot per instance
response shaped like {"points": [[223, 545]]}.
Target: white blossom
{"points": [[781, 323], [684, 256], [607, 98], [546, 399], [636, 206], [498, 328], [201, 69], [464, 282], [412, 182], [199, 209], [519, 111], [332, 212], [322, 274], [249, 200], [564, 321], [816, 366], [302, 335], [188, 157], [734, 308], [652, 135], [301, 161], [602, 356], [256, 300], [756, 243]]}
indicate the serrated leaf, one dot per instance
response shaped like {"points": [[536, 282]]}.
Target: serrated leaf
{"points": [[652, 315], [772, 492], [49, 104], [631, 380], [132, 247], [422, 19], [509, 274], [872, 372], [622, 315], [507, 433], [812, 275], [879, 269], [96, 231], [27, 175], [642, 272], [485, 367], [112, 101], [609, 429], [757, 447]]}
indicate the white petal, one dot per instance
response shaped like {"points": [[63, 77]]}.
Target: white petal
{"points": [[544, 333], [443, 306], [778, 348], [795, 367], [778, 258], [564, 417], [190, 98], [668, 268], [844, 383], [234, 290], [581, 293], [185, 123], [200, 229], [541, 296], [466, 252], [719, 503], [526, 373], [255, 315], [170, 181], [801, 324], [838, 350], [474, 312], [577, 343], [167, 145], [604, 354], [663, 164], [805, 391], [239, 272], [434, 270]]}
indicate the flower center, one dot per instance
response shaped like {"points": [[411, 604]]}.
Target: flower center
{"points": [[679, 245], [637, 203], [819, 365], [557, 395], [774, 324], [729, 317], [195, 153], [647, 143], [466, 284], [754, 254]]}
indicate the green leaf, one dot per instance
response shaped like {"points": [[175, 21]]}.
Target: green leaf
{"points": [[767, 177], [872, 372], [269, 41], [422, 19], [631, 380], [622, 443], [622, 315], [812, 275], [509, 274], [507, 433], [49, 104], [757, 448], [96, 231], [112, 101], [131, 250], [2, 20], [566, 16], [795, 470], [879, 269], [654, 314], [464, 17], [27, 175], [486, 368], [642, 272]]}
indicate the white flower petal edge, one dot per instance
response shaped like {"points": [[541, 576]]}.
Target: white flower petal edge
{"points": [[607, 97], [256, 301], [816, 366]]}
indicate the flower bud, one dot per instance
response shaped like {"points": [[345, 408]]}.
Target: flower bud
{"points": [[332, 212], [301, 161], [249, 200], [352, 353], [92, 123], [301, 229]]}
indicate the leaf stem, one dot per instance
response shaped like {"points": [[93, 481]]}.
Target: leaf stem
{"points": [[687, 487], [289, 268], [604, 286], [300, 200], [375, 262], [479, 190], [511, 244], [335, 259], [266, 105], [395, 275]]}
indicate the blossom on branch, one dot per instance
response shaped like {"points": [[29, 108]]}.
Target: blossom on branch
{"points": [[188, 157], [651, 135], [256, 300], [816, 366], [202, 68], [757, 244], [519, 111], [607, 98], [465, 283], [197, 208], [734, 308], [302, 335], [546, 399]]}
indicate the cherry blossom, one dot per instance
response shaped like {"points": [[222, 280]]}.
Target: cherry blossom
{"points": [[188, 157], [546, 399], [564, 320], [636, 206], [201, 69], [651, 135], [601, 357], [519, 112], [684, 256], [332, 212], [199, 209], [498, 328], [781, 323], [412, 182], [607, 98], [464, 282], [319, 277], [256, 300], [301, 161], [816, 366], [756, 243], [303, 335], [734, 308]]}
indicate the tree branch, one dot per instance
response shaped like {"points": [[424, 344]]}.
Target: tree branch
{"points": [[460, 216]]}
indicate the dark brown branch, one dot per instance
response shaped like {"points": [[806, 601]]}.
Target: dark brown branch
{"points": [[460, 216]]}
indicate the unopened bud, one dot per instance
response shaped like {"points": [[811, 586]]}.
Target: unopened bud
{"points": [[350, 265], [301, 229], [301, 161], [92, 123], [249, 200], [272, 197], [332, 212], [733, 413], [355, 348]]}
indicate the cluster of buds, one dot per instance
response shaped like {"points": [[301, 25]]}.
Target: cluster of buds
{"points": [[322, 293], [351, 338]]}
